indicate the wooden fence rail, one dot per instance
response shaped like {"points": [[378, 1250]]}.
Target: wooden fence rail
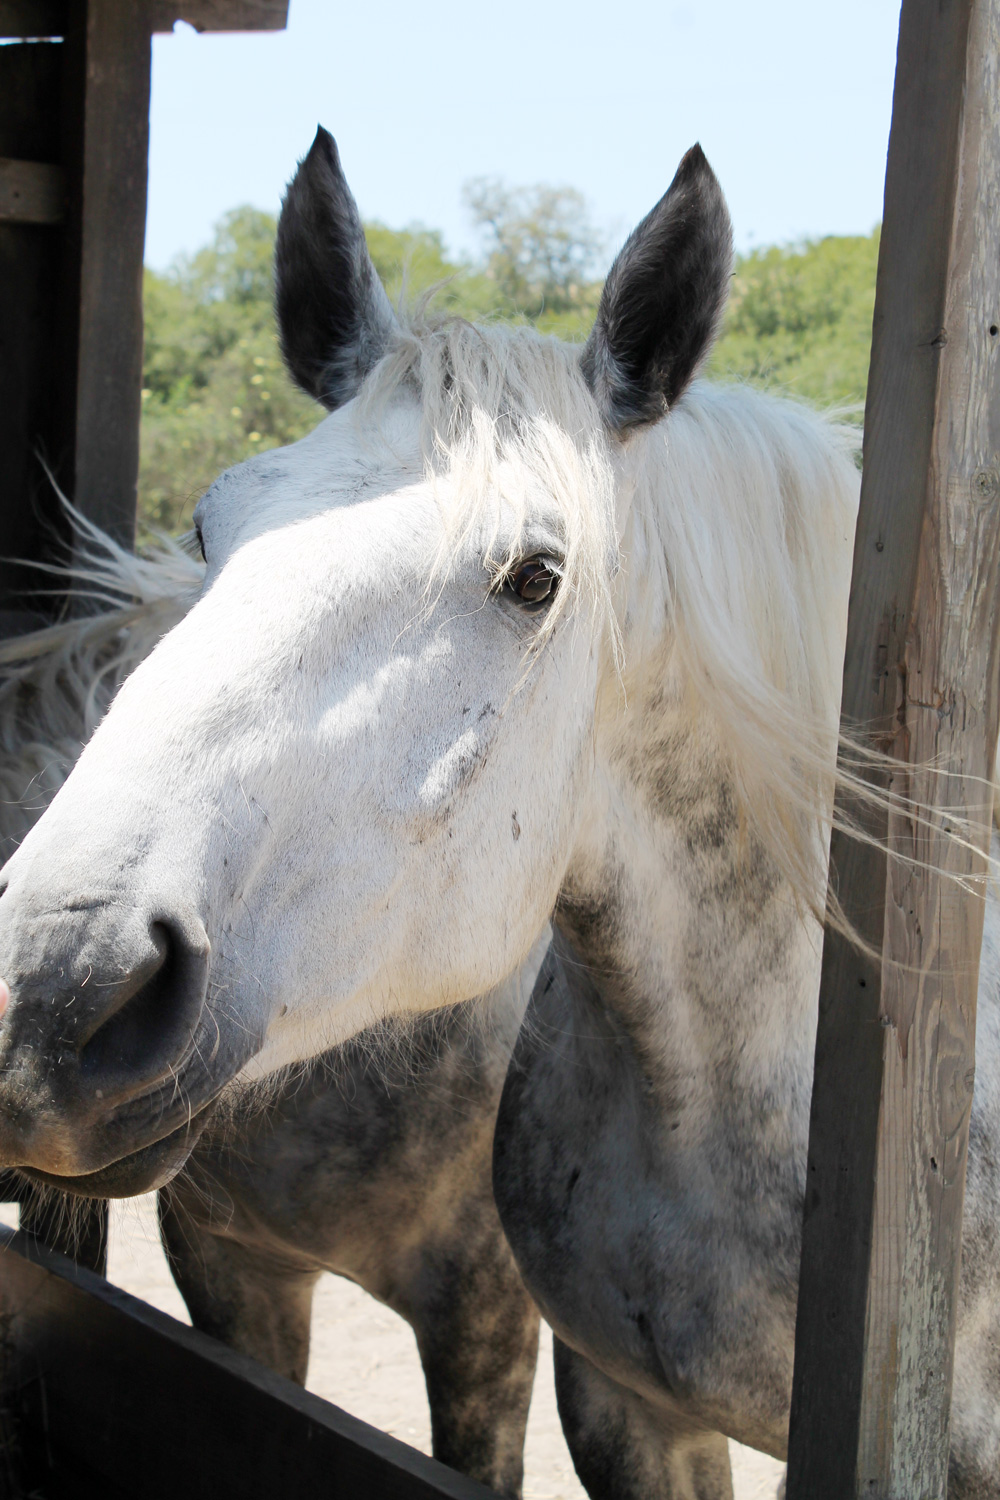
{"points": [[105, 1398]]}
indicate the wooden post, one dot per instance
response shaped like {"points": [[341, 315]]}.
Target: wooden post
{"points": [[895, 1046], [106, 148], [30, 275], [74, 134]]}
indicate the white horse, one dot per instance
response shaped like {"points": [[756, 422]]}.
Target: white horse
{"points": [[372, 1161], [519, 630]]}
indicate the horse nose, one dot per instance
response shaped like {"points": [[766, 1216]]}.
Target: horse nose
{"points": [[133, 1031], [103, 998]]}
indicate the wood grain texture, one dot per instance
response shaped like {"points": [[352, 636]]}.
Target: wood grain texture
{"points": [[32, 18], [31, 269], [894, 1055], [107, 1394], [948, 713], [107, 96], [49, 18], [31, 192], [219, 15]]}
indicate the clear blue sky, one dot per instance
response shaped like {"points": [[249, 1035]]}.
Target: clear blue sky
{"points": [[790, 99]]}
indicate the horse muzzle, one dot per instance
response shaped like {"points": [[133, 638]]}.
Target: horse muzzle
{"points": [[108, 1053]]}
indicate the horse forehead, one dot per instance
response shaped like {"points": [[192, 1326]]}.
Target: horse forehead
{"points": [[334, 466]]}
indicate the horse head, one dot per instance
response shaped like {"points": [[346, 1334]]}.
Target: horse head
{"points": [[350, 782]]}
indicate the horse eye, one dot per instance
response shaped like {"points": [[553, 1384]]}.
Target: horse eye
{"points": [[534, 581], [201, 541]]}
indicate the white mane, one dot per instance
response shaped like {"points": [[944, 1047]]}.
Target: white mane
{"points": [[56, 683], [745, 516]]}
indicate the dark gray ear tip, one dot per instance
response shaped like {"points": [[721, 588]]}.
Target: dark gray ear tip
{"points": [[323, 153], [695, 168], [694, 159]]}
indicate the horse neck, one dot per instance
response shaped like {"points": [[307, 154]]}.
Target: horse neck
{"points": [[696, 941]]}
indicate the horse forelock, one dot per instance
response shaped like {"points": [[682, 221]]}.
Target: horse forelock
{"points": [[510, 435]]}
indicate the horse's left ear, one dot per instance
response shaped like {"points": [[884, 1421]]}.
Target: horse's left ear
{"points": [[662, 301], [334, 317]]}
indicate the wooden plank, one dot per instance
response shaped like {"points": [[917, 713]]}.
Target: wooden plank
{"points": [[106, 1389], [220, 15], [32, 359], [32, 18], [934, 928], [894, 1052], [107, 143], [48, 18], [31, 192]]}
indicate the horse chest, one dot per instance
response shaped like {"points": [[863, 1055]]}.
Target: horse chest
{"points": [[662, 1244]]}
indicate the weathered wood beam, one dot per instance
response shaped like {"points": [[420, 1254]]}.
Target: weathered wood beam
{"points": [[108, 53], [31, 192], [111, 1399], [36, 18], [90, 431], [32, 363], [220, 15], [28, 18], [895, 1045]]}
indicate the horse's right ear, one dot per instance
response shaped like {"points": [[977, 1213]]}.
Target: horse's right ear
{"points": [[662, 301], [333, 314]]}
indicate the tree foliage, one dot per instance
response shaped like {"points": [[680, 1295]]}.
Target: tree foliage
{"points": [[542, 252], [800, 318], [215, 390]]}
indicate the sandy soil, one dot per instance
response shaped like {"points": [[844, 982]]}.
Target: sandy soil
{"points": [[364, 1358]]}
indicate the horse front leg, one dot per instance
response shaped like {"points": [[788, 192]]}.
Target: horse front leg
{"points": [[624, 1448], [477, 1333], [253, 1303]]}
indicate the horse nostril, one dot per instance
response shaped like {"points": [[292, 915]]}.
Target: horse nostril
{"points": [[143, 1024]]}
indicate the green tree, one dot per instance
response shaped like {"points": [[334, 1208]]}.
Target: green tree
{"points": [[216, 391], [800, 318], [412, 261], [542, 252]]}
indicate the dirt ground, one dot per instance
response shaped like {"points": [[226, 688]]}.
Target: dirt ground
{"points": [[364, 1358]]}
